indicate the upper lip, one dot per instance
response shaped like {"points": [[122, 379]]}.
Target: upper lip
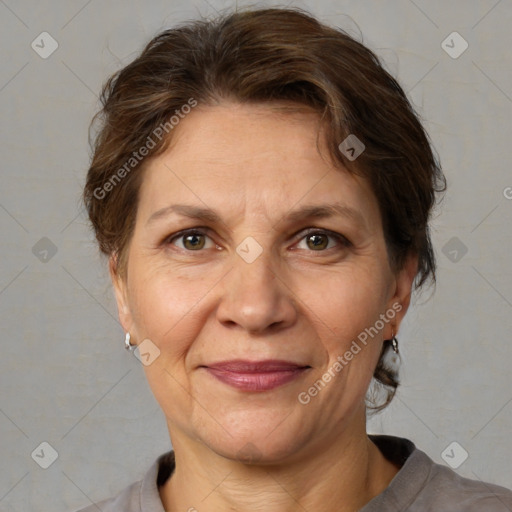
{"points": [[244, 366]]}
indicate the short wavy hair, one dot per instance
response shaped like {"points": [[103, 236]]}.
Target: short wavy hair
{"points": [[264, 56]]}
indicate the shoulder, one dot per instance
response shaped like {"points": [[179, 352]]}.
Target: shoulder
{"points": [[447, 490], [423, 485], [126, 501], [143, 495]]}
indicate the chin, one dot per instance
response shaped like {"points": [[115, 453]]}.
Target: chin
{"points": [[256, 454], [250, 443]]}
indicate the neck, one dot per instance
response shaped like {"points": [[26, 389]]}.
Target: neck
{"points": [[341, 475]]}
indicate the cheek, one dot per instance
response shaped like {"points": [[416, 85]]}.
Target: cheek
{"points": [[348, 309], [165, 306], [346, 302]]}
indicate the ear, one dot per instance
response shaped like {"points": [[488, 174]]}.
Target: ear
{"points": [[121, 294], [401, 298]]}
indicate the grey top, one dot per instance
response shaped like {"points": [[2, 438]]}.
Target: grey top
{"points": [[420, 485]]}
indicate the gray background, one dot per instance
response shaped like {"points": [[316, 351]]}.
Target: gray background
{"points": [[65, 377]]}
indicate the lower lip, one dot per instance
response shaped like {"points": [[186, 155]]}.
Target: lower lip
{"points": [[262, 381]]}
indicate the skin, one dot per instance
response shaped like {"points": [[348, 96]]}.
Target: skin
{"points": [[199, 302]]}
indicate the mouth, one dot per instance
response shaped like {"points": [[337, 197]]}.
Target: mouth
{"points": [[256, 375]]}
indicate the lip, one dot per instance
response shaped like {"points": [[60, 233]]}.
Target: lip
{"points": [[256, 375]]}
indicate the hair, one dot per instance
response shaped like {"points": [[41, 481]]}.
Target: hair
{"points": [[268, 56]]}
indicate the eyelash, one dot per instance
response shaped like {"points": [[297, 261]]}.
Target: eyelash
{"points": [[342, 240]]}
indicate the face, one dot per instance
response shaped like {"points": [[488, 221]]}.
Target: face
{"points": [[250, 245]]}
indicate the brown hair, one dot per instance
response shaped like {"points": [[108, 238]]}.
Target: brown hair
{"points": [[262, 56]]}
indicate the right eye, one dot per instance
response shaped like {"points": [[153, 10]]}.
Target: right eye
{"points": [[193, 240]]}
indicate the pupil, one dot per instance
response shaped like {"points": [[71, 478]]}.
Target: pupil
{"points": [[192, 240], [317, 240]]}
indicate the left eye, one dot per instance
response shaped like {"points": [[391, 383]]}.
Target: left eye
{"points": [[319, 240]]}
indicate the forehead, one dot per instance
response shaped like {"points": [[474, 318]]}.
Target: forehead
{"points": [[236, 132], [260, 156]]}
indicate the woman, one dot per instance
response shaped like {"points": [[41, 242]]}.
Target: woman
{"points": [[263, 189]]}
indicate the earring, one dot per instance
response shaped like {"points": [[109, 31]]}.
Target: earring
{"points": [[391, 359], [127, 344]]}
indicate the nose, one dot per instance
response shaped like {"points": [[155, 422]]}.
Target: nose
{"points": [[255, 297]]}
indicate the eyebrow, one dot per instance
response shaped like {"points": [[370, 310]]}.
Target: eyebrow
{"points": [[305, 212]]}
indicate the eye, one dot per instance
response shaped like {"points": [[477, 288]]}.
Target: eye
{"points": [[192, 240], [318, 240]]}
